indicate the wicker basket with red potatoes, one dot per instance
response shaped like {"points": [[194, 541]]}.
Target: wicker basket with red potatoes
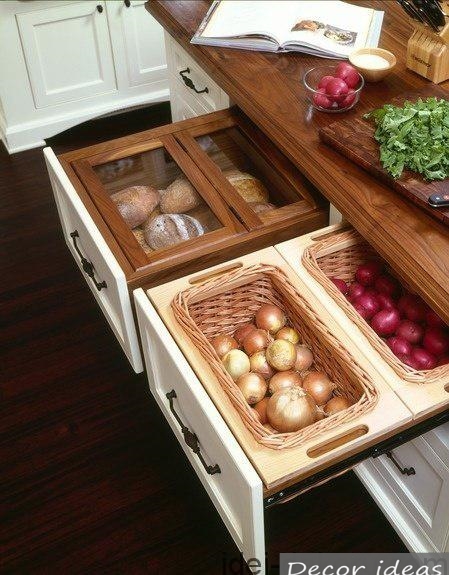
{"points": [[415, 334], [333, 88], [275, 374]]}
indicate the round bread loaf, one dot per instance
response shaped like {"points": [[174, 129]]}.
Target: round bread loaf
{"points": [[260, 207], [250, 188], [170, 229], [180, 197], [135, 203]]}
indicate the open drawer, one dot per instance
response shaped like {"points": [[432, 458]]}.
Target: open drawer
{"points": [[162, 211], [336, 251]]}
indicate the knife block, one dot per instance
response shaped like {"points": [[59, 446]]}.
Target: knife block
{"points": [[428, 51]]}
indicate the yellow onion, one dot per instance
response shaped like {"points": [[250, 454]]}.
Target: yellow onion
{"points": [[259, 364], [223, 343], [271, 318], [284, 379], [236, 363], [304, 358], [261, 409], [289, 334], [241, 332], [320, 413], [336, 404], [256, 340], [319, 386], [253, 387], [281, 355], [291, 409]]}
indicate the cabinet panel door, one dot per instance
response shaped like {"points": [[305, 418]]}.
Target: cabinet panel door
{"points": [[138, 42], [67, 52]]}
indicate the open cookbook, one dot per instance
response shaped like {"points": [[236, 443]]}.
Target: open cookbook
{"points": [[326, 28]]}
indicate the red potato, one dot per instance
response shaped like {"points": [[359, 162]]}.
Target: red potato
{"points": [[388, 285], [322, 100], [443, 360], [400, 347], [336, 89], [340, 284], [324, 81], [423, 359], [369, 304], [347, 73], [348, 100], [434, 320], [385, 301], [436, 341], [413, 307], [386, 322], [354, 291], [410, 330], [367, 274]]}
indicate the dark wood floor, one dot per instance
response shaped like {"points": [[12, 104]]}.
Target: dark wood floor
{"points": [[92, 480]]}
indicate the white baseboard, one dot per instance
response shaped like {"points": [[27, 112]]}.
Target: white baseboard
{"points": [[33, 134]]}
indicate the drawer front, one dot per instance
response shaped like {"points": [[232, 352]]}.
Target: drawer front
{"points": [[183, 106], [114, 298], [236, 490], [422, 498], [179, 61]]}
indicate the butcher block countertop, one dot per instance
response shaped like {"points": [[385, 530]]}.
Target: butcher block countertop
{"points": [[268, 88]]}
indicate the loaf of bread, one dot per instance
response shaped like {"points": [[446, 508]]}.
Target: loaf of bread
{"points": [[170, 229], [260, 207], [136, 203], [250, 188], [180, 197]]}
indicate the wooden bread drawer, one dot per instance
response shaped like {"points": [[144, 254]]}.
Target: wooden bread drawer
{"points": [[195, 154], [283, 472], [412, 488]]}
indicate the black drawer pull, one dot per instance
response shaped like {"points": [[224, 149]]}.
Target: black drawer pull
{"points": [[127, 3], [188, 82], [88, 266], [403, 470], [100, 8], [190, 438]]}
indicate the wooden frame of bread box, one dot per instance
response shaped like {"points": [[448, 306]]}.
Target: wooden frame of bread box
{"points": [[242, 476], [106, 249], [425, 393]]}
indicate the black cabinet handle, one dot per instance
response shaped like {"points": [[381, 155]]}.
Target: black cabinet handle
{"points": [[88, 266], [190, 438], [403, 470], [127, 3], [188, 82], [99, 8]]}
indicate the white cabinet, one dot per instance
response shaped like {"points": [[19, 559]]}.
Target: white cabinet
{"points": [[64, 62]]}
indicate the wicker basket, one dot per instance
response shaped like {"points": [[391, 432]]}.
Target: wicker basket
{"points": [[221, 305], [339, 255]]}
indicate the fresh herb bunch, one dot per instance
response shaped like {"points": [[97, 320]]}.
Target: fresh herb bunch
{"points": [[414, 136]]}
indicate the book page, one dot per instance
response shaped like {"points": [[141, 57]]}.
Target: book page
{"points": [[234, 18]]}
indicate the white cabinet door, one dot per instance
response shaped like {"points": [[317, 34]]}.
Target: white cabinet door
{"points": [[67, 52], [138, 43]]}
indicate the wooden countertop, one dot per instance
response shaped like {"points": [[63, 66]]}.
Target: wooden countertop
{"points": [[268, 88]]}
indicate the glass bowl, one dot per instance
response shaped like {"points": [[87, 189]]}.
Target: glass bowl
{"points": [[323, 102]]}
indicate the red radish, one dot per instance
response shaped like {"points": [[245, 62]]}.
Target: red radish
{"points": [[423, 358], [347, 73], [355, 290], [399, 346], [324, 81], [436, 341], [414, 308], [385, 301], [336, 89], [410, 331], [388, 285], [443, 360], [386, 322], [434, 320], [320, 99], [369, 303], [341, 285], [367, 274], [348, 100]]}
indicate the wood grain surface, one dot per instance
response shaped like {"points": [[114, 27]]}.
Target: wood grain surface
{"points": [[93, 481], [355, 140], [268, 88]]}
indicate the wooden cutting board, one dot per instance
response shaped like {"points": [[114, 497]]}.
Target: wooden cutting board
{"points": [[355, 139]]}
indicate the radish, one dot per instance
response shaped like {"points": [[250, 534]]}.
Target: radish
{"points": [[386, 322], [387, 284], [410, 331], [399, 346], [354, 291], [436, 341], [423, 358], [434, 320], [369, 303], [324, 81], [320, 99], [347, 73], [367, 274], [340, 284], [385, 301], [336, 89]]}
